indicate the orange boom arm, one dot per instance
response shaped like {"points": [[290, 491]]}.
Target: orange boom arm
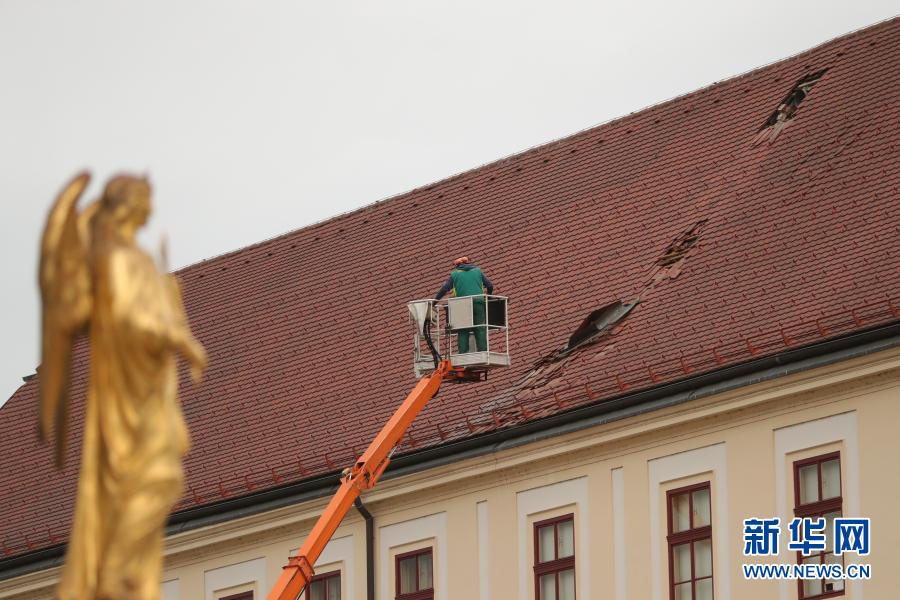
{"points": [[362, 476]]}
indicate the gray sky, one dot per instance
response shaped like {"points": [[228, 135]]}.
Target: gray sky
{"points": [[255, 118]]}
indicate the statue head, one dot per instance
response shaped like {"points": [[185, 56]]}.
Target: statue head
{"points": [[127, 199]]}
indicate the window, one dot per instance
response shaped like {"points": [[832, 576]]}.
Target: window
{"points": [[690, 543], [554, 565], [817, 493], [325, 587], [241, 596], [415, 575]]}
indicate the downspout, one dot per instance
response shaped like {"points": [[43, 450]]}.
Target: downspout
{"points": [[370, 548]]}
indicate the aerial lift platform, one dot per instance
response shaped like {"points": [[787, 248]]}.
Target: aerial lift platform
{"points": [[434, 362]]}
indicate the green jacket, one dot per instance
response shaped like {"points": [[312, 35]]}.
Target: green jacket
{"points": [[466, 280]]}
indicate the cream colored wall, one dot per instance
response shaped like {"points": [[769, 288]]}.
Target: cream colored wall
{"points": [[478, 513]]}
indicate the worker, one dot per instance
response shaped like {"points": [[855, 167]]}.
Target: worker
{"points": [[467, 279]]}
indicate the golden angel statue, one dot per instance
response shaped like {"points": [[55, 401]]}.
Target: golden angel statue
{"points": [[95, 279]]}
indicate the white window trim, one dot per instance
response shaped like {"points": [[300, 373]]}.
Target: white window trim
{"points": [[548, 497], [242, 573], [171, 589], [677, 466], [337, 555], [802, 436], [619, 557], [484, 551], [410, 532]]}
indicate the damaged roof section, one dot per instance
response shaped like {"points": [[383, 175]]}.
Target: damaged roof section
{"points": [[599, 322], [668, 266], [599, 328], [787, 109], [600, 325]]}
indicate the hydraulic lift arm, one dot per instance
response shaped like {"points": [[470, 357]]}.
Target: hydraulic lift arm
{"points": [[362, 476]]}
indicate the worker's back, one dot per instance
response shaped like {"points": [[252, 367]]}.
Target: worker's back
{"points": [[467, 280]]}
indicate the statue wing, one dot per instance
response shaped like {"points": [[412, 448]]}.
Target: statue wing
{"points": [[66, 298]]}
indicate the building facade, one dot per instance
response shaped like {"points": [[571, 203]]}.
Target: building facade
{"points": [[607, 489]]}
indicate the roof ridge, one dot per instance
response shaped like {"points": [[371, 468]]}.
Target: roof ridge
{"points": [[532, 149]]}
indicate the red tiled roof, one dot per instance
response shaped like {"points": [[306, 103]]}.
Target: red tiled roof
{"points": [[308, 338]]}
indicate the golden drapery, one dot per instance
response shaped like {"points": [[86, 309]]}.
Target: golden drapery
{"points": [[134, 432]]}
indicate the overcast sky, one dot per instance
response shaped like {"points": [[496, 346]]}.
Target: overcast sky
{"points": [[255, 118]]}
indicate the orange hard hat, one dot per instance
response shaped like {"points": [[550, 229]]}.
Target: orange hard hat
{"points": [[460, 260]]}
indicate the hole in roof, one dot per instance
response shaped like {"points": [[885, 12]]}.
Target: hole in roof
{"points": [[682, 244], [789, 105], [656, 120], [518, 169], [415, 204], [465, 187], [573, 150], [268, 254], [599, 322], [293, 246], [546, 160]]}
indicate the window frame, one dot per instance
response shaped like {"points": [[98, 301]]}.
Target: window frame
{"points": [[818, 509], [336, 574], [690, 535], [419, 594], [556, 565], [248, 595]]}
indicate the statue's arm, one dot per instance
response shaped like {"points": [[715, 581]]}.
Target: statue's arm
{"points": [[147, 305], [185, 343]]}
